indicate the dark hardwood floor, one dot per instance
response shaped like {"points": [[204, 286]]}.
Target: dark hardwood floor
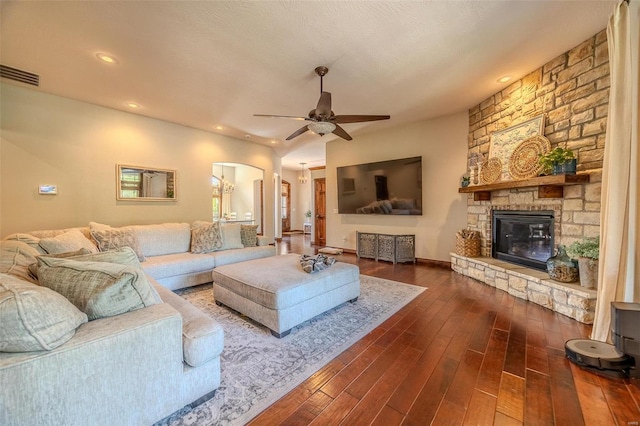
{"points": [[460, 353]]}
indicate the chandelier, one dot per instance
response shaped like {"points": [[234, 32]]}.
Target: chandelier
{"points": [[303, 177], [225, 186]]}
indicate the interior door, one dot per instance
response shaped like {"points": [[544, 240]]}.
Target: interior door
{"points": [[286, 206], [320, 216]]}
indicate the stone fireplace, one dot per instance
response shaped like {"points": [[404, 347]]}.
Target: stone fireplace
{"points": [[572, 92]]}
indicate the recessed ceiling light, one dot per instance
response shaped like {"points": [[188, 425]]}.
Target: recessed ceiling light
{"points": [[247, 136], [219, 127], [133, 105], [107, 58], [273, 142], [504, 79]]}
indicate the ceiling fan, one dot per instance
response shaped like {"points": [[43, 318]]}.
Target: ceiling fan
{"points": [[322, 119]]}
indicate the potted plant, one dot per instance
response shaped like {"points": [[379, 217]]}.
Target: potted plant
{"points": [[558, 161], [587, 251], [307, 214], [465, 181]]}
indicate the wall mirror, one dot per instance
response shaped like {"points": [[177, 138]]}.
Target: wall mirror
{"points": [[135, 183]]}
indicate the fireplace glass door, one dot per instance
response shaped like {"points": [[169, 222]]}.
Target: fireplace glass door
{"points": [[523, 237]]}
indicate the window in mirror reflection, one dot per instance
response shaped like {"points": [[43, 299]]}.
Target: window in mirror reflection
{"points": [[145, 184]]}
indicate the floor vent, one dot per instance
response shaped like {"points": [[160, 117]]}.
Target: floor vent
{"points": [[19, 75]]}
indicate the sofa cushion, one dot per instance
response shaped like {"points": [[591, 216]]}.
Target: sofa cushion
{"points": [[225, 257], [171, 265], [69, 241], [15, 258], [249, 235], [99, 289], [202, 337], [165, 238], [231, 236], [34, 318], [206, 238], [114, 238]]}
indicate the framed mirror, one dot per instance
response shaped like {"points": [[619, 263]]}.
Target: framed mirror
{"points": [[136, 183]]}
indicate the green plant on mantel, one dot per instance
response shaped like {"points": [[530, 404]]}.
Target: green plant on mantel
{"points": [[558, 155], [587, 247]]}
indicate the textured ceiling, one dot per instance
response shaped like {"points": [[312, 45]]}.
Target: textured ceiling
{"points": [[209, 63]]}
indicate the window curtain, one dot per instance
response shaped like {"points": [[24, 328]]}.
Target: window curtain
{"points": [[619, 264]]}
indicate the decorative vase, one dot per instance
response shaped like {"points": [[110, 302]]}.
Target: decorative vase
{"points": [[588, 272], [566, 168], [561, 267]]}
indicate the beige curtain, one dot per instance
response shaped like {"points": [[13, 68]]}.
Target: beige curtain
{"points": [[619, 265]]}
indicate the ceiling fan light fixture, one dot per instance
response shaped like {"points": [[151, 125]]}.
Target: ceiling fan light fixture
{"points": [[322, 127]]}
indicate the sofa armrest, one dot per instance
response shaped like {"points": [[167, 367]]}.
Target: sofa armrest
{"points": [[263, 240], [202, 336]]}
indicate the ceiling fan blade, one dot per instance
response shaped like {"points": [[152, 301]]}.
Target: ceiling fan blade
{"points": [[324, 105], [293, 117], [339, 131], [298, 132], [359, 118]]}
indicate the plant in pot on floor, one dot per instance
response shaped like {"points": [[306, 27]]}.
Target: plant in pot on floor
{"points": [[558, 161], [464, 182], [587, 251]]}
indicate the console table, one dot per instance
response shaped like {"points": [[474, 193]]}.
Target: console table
{"points": [[392, 248]]}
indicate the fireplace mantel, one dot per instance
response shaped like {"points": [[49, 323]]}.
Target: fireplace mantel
{"points": [[548, 186]]}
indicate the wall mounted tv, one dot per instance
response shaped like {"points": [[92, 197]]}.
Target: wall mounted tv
{"points": [[392, 187]]}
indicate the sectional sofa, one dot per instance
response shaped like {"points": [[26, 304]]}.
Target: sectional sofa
{"points": [[135, 367]]}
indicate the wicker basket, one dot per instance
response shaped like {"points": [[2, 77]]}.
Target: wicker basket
{"points": [[468, 243]]}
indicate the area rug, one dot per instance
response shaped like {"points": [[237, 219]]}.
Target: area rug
{"points": [[258, 369]]}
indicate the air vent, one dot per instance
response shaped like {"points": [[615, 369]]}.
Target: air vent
{"points": [[19, 75]]}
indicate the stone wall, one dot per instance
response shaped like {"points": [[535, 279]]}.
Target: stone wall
{"points": [[572, 91]]}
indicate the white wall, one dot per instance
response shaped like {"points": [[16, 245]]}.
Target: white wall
{"points": [[442, 143], [48, 139]]}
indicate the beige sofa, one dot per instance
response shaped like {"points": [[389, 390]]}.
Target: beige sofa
{"points": [[134, 368], [166, 252]]}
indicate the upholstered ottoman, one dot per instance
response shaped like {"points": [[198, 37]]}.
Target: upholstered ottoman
{"points": [[277, 293]]}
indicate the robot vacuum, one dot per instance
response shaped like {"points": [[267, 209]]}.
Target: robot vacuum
{"points": [[617, 360]]}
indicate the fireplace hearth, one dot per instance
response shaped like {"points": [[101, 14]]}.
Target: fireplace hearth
{"points": [[523, 237]]}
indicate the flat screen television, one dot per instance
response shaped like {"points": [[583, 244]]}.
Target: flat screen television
{"points": [[392, 187]]}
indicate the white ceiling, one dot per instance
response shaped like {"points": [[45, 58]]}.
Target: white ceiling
{"points": [[209, 63]]}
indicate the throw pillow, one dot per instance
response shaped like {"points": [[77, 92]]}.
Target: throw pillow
{"points": [[249, 235], [99, 289], [33, 267], [111, 239], [15, 258], [34, 318], [95, 226], [29, 239], [206, 238], [122, 256], [69, 241], [231, 236]]}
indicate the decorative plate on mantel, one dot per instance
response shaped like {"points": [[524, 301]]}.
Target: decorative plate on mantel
{"points": [[490, 171], [523, 163]]}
